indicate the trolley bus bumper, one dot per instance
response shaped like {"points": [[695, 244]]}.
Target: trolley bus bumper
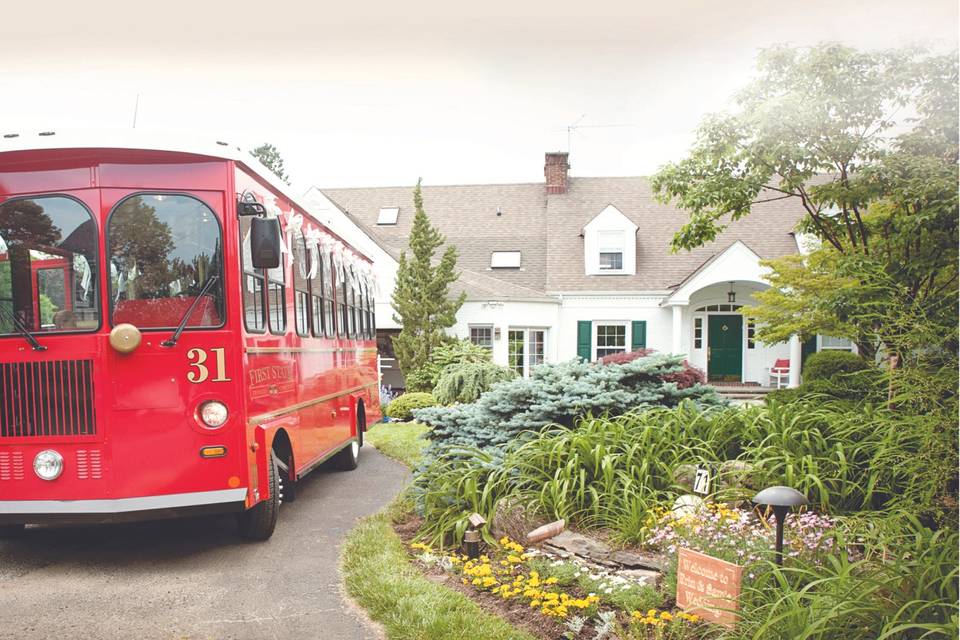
{"points": [[122, 509]]}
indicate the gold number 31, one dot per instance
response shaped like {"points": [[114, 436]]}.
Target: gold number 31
{"points": [[198, 358]]}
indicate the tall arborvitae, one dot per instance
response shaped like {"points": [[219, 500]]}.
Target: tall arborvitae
{"points": [[421, 299]]}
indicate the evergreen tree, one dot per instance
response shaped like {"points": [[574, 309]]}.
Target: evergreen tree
{"points": [[269, 156], [421, 299]]}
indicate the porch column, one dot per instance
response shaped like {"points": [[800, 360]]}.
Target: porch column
{"points": [[676, 346], [796, 354]]}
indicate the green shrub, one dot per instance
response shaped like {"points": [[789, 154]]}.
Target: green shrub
{"points": [[465, 382], [612, 473], [903, 585], [453, 353], [400, 408], [559, 394], [824, 365]]}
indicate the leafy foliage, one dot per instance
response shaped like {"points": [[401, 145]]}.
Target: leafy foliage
{"points": [[402, 406], [689, 376], [823, 127], [421, 302], [426, 377], [269, 156], [613, 472], [903, 585], [465, 382], [824, 365], [559, 394]]}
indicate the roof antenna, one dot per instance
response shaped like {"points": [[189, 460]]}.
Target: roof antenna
{"points": [[573, 127], [136, 108]]}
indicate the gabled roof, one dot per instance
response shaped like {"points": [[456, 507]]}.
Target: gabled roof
{"points": [[548, 230]]}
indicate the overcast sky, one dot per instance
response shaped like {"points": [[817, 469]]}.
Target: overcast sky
{"points": [[385, 92]]}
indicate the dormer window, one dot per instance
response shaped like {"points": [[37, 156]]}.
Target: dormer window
{"points": [[388, 215], [610, 244], [505, 260]]}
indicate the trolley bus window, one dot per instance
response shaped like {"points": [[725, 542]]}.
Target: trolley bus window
{"points": [[163, 249], [48, 266], [344, 328], [277, 298], [254, 316], [301, 285], [328, 315]]}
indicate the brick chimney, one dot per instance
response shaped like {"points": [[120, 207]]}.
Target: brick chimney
{"points": [[555, 170]]}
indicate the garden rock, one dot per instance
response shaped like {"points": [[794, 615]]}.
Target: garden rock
{"points": [[687, 505], [685, 475], [595, 552]]}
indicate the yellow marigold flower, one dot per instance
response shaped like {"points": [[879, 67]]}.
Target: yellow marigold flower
{"points": [[551, 580], [534, 603], [665, 615]]}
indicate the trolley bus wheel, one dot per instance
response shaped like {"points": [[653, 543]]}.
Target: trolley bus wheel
{"points": [[258, 522], [346, 460], [11, 530]]}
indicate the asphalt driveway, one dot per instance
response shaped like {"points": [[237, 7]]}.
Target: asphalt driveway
{"points": [[195, 578]]}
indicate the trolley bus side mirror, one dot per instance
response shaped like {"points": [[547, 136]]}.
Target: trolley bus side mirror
{"points": [[265, 243]]}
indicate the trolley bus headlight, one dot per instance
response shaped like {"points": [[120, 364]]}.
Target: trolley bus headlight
{"points": [[48, 465], [213, 414]]}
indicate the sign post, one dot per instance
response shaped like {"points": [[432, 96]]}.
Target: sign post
{"points": [[708, 587]]}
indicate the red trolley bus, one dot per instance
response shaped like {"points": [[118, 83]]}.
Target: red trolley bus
{"points": [[177, 335]]}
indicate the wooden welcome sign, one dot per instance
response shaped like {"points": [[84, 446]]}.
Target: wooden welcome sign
{"points": [[708, 587]]}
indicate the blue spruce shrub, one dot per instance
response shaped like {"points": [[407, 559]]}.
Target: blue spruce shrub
{"points": [[512, 411]]}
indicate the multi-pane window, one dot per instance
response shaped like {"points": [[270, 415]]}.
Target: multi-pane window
{"points": [[751, 331], [329, 325], [482, 336], [276, 298], [698, 333], [829, 342], [253, 287], [301, 286], [525, 349], [611, 338], [372, 306], [611, 250], [342, 307], [318, 285]]}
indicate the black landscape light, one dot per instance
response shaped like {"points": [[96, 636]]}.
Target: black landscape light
{"points": [[471, 538], [781, 499]]}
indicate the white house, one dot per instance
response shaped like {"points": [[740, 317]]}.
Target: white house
{"points": [[582, 266]]}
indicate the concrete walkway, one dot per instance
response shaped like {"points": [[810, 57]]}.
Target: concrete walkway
{"points": [[195, 578]]}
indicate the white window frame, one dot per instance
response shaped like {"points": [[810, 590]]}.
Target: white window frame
{"points": [[505, 259], [388, 215], [821, 340], [527, 351], [605, 244], [488, 327], [609, 323]]}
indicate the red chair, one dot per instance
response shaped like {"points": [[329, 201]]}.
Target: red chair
{"points": [[780, 373]]}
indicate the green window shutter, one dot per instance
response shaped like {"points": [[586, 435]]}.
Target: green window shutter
{"points": [[638, 335], [584, 337]]}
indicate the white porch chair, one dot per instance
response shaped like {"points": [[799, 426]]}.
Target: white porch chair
{"points": [[780, 373]]}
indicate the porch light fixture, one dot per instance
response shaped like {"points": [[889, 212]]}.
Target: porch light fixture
{"points": [[731, 295], [781, 500]]}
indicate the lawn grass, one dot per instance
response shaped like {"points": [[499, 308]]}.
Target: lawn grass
{"points": [[379, 576], [399, 440]]}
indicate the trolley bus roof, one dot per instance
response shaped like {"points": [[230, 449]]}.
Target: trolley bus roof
{"points": [[143, 140]]}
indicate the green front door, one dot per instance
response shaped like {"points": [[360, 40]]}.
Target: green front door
{"points": [[725, 352]]}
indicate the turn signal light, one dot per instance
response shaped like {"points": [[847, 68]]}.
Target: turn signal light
{"points": [[213, 452]]}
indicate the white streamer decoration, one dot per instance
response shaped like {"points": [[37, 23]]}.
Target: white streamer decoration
{"points": [[3, 245], [82, 267], [313, 238], [293, 222]]}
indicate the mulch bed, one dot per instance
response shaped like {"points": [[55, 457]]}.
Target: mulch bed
{"points": [[516, 613]]}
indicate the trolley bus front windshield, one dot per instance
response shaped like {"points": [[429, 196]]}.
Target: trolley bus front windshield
{"points": [[48, 266]]}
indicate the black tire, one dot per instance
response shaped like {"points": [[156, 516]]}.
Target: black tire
{"points": [[11, 530], [258, 522], [348, 457], [361, 425]]}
